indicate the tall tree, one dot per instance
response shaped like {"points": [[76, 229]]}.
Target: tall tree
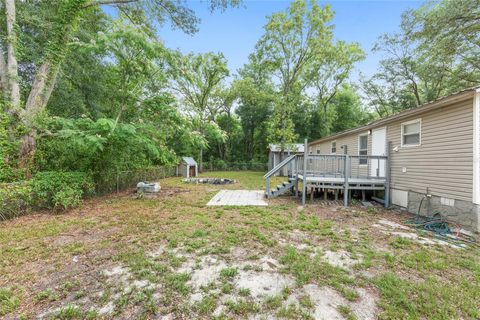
{"points": [[197, 79], [449, 29], [434, 54], [298, 50], [255, 104], [292, 41]]}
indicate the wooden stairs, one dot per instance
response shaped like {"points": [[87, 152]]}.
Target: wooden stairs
{"points": [[282, 188]]}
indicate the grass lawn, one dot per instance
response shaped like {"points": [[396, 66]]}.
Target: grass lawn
{"points": [[172, 257]]}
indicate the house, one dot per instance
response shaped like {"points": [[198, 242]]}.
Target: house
{"points": [[187, 167], [275, 155], [433, 156]]}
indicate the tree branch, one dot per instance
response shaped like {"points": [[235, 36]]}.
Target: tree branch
{"points": [[107, 2]]}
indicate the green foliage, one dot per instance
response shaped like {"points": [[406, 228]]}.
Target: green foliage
{"points": [[9, 143], [434, 54], [298, 49], [101, 147], [197, 79], [60, 189], [15, 199]]}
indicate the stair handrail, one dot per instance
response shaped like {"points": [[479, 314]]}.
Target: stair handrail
{"points": [[279, 166]]}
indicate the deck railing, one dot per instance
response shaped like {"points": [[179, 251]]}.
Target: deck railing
{"points": [[333, 165], [368, 167], [288, 162]]}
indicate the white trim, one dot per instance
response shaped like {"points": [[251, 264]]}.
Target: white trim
{"points": [[476, 148], [336, 147], [358, 149], [419, 120]]}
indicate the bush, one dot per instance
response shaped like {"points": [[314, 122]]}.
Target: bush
{"points": [[15, 199], [60, 189]]}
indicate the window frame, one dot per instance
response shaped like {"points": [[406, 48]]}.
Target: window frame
{"points": [[331, 147], [402, 125], [362, 155]]}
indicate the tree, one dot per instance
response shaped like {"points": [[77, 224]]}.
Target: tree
{"points": [[433, 55], [64, 25], [292, 41], [197, 79], [299, 52], [348, 110], [330, 73], [255, 105], [449, 29], [137, 67]]}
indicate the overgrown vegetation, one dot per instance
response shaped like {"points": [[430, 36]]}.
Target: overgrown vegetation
{"points": [[87, 90]]}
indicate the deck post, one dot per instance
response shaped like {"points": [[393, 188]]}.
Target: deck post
{"points": [[304, 182], [346, 173], [387, 176], [268, 187]]}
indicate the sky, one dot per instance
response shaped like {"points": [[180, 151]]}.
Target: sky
{"points": [[236, 31]]}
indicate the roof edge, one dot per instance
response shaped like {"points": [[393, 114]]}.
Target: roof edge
{"points": [[432, 105]]}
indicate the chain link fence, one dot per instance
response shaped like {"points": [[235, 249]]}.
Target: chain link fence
{"points": [[234, 166], [123, 180]]}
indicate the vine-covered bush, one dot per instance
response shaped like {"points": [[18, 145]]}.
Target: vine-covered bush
{"points": [[60, 190], [15, 199]]}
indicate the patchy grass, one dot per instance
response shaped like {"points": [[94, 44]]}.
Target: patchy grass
{"points": [[346, 312], [228, 273], [141, 258], [8, 301]]}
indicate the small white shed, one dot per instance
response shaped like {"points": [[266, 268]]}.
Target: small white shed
{"points": [[187, 167]]}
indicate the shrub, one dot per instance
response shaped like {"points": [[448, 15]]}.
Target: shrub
{"points": [[15, 199], [60, 189]]}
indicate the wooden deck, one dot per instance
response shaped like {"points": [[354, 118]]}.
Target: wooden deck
{"points": [[339, 173], [339, 182]]}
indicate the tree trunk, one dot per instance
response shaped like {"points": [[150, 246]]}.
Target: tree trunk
{"points": [[12, 66], [40, 93], [27, 152], [42, 88], [3, 73], [200, 160]]}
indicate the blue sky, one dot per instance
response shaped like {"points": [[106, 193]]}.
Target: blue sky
{"points": [[236, 31]]}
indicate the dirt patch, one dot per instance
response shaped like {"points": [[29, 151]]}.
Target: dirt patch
{"points": [[326, 302], [204, 272], [340, 259], [263, 283]]}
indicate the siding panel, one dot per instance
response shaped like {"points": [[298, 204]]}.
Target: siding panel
{"points": [[443, 161]]}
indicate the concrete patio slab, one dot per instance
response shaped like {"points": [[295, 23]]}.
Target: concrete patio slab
{"points": [[238, 198]]}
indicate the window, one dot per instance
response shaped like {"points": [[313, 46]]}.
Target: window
{"points": [[334, 147], [318, 151], [411, 133], [363, 149]]}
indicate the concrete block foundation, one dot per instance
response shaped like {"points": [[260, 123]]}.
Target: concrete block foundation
{"points": [[465, 213]]}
